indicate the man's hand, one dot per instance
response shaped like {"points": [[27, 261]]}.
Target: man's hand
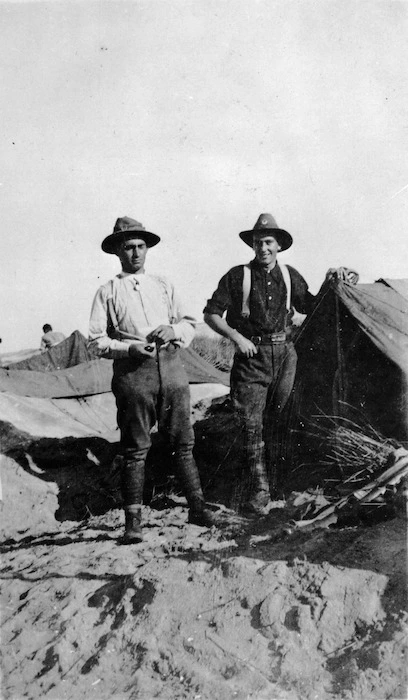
{"points": [[245, 346], [162, 334], [342, 273], [219, 325], [138, 349]]}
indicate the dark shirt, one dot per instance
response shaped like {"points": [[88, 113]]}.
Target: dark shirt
{"points": [[267, 302]]}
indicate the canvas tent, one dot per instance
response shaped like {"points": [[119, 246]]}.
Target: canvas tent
{"points": [[69, 369], [7, 358], [70, 352], [353, 356], [67, 391]]}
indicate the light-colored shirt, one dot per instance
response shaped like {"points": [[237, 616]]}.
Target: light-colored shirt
{"points": [[50, 339], [140, 303]]}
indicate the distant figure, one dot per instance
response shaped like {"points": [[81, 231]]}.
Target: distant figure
{"points": [[50, 338]]}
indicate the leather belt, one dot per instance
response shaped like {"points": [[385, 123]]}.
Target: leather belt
{"points": [[268, 339]]}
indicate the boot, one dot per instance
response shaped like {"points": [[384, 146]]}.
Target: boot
{"points": [[199, 514], [133, 530], [257, 503], [133, 477], [187, 470], [259, 489]]}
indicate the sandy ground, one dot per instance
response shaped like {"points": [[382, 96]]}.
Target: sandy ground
{"points": [[251, 609]]}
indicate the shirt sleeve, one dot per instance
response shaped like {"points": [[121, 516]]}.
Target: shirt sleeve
{"points": [[221, 300], [99, 341], [302, 299], [182, 323]]}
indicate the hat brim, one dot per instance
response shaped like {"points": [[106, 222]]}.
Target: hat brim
{"points": [[284, 238], [110, 243]]}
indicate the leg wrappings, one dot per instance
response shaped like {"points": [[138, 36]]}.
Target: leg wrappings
{"points": [[255, 460], [132, 480], [188, 474]]}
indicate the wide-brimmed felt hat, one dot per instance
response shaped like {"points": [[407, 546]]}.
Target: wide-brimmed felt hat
{"points": [[267, 224], [124, 228]]}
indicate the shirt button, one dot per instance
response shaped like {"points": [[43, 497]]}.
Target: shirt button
{"points": [[269, 298], [269, 284]]}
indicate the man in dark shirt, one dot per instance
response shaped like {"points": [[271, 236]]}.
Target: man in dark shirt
{"points": [[260, 300]]}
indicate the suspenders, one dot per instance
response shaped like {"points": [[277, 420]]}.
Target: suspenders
{"points": [[112, 318], [246, 288]]}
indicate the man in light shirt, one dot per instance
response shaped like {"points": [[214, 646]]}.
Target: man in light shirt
{"points": [[138, 321], [50, 337]]}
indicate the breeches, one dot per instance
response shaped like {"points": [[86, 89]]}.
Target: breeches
{"points": [[261, 386], [147, 391], [152, 390]]}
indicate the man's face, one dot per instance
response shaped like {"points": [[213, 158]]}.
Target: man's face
{"points": [[132, 254], [266, 248]]}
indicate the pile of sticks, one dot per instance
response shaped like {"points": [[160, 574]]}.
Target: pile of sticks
{"points": [[371, 465], [355, 453]]}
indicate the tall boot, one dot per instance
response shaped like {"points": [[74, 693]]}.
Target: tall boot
{"points": [[132, 482], [133, 529], [187, 470], [199, 514], [259, 495]]}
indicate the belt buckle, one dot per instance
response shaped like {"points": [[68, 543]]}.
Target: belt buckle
{"points": [[256, 339]]}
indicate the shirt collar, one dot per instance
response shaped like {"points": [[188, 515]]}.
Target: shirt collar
{"points": [[134, 275], [256, 266]]}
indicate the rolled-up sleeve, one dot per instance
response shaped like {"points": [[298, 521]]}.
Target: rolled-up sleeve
{"points": [[99, 341], [302, 299], [182, 323], [221, 300]]}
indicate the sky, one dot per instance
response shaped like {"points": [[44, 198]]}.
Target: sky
{"points": [[193, 117]]}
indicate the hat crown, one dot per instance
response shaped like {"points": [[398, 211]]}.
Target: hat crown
{"points": [[125, 223], [265, 221], [126, 228]]}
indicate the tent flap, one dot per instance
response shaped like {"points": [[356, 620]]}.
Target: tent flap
{"points": [[70, 352], [382, 314], [353, 358]]}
